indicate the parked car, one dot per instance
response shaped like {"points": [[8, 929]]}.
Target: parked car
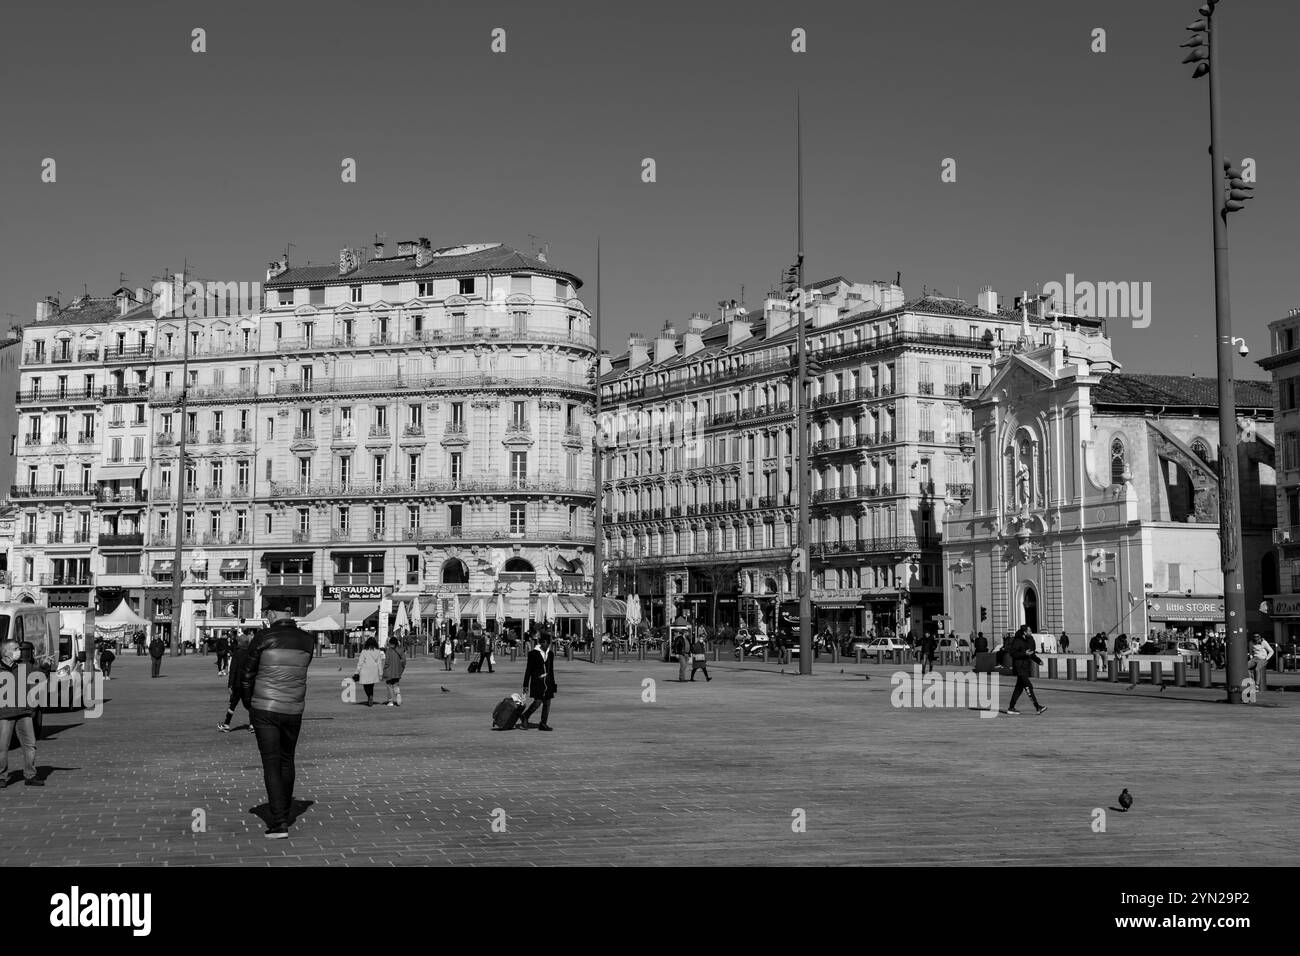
{"points": [[954, 644], [886, 644]]}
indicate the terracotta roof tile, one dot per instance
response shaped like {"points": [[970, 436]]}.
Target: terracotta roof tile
{"points": [[496, 258], [1124, 388]]}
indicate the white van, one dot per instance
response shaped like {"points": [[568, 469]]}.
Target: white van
{"points": [[34, 625]]}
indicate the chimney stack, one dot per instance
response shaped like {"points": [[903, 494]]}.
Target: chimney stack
{"points": [[277, 267], [379, 246], [46, 308], [405, 247], [988, 300], [423, 253], [637, 353], [666, 344], [349, 260]]}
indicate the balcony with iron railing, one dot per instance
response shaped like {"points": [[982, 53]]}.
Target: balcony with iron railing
{"points": [[225, 392], [66, 579], [49, 491], [130, 540], [373, 384], [124, 391], [31, 441], [85, 438], [378, 432], [27, 537], [304, 434], [491, 484], [124, 354], [412, 430], [301, 535], [962, 390], [165, 438], [216, 437], [243, 436], [122, 495], [925, 388], [962, 491], [966, 440], [897, 545], [925, 435]]}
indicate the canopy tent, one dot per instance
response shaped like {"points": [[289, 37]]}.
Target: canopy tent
{"points": [[321, 624], [403, 619], [570, 605], [121, 616], [501, 610]]}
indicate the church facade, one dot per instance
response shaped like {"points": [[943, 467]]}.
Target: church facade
{"points": [[1095, 499]]}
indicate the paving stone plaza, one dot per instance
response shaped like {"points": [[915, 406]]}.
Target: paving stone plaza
{"points": [[713, 774]]}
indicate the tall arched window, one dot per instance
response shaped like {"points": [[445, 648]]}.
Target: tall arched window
{"points": [[1117, 466], [1201, 450]]}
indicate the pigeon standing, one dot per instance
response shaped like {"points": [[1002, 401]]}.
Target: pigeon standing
{"points": [[444, 690], [1125, 800]]}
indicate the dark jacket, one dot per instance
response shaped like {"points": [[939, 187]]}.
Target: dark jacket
{"points": [[275, 672], [156, 647], [539, 677], [394, 661], [238, 657], [981, 645], [223, 645], [929, 645], [1023, 652], [15, 690]]}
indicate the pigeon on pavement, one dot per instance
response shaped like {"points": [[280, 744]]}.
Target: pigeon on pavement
{"points": [[444, 690], [1125, 800]]}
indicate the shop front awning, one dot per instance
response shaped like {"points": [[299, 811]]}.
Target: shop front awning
{"points": [[120, 473], [286, 556], [230, 565], [360, 612]]}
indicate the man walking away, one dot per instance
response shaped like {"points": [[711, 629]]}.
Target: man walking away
{"points": [[679, 648], [1022, 660], [394, 664], [156, 650], [274, 690], [698, 659], [1065, 643], [223, 655], [16, 719], [539, 681], [235, 682], [928, 647]]}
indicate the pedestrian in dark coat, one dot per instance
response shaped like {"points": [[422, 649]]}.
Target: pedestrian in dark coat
{"points": [[929, 645], [394, 664], [106, 658], [1023, 658], [223, 654], [235, 670], [156, 650], [539, 681]]}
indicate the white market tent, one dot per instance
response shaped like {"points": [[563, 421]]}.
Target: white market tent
{"points": [[120, 617]]}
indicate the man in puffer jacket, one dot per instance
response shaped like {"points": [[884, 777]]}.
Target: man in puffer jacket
{"points": [[274, 691]]}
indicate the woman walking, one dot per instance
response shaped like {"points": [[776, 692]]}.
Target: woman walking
{"points": [[448, 649], [370, 666], [394, 664]]}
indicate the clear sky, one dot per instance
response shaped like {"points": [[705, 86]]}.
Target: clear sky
{"points": [[1067, 161]]}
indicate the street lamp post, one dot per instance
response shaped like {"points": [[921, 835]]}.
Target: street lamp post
{"points": [[1204, 53], [802, 398]]}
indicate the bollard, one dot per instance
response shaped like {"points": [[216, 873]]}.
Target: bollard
{"points": [[898, 656], [1158, 674], [857, 655], [764, 653], [1207, 678], [1035, 671], [1071, 669], [514, 654], [1263, 678], [1092, 669], [1180, 674], [1112, 670], [1053, 672], [835, 654], [1133, 675], [715, 653]]}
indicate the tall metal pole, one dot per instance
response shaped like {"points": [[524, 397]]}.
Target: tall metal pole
{"points": [[597, 551], [801, 428], [1229, 503], [177, 569]]}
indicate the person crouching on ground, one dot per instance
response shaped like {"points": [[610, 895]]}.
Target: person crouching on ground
{"points": [[370, 666], [539, 681], [274, 691], [394, 664], [1023, 658]]}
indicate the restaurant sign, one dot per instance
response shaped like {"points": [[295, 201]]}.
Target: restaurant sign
{"points": [[1186, 609], [1288, 606], [360, 592]]}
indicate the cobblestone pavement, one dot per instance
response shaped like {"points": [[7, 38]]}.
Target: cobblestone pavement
{"points": [[710, 774]]}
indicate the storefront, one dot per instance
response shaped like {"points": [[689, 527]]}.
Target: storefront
{"points": [[1201, 615], [1284, 610], [289, 586]]}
